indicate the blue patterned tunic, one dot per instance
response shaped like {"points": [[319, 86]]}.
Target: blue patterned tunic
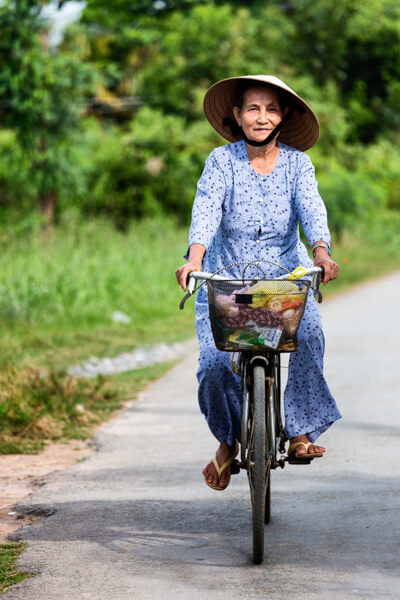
{"points": [[240, 215]]}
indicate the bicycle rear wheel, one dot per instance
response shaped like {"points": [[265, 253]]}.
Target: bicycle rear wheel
{"points": [[258, 460]]}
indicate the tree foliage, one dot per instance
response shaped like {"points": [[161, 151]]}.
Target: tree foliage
{"points": [[165, 51], [355, 43], [40, 94], [139, 146]]}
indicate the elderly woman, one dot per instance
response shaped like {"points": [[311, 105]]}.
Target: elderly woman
{"points": [[251, 197]]}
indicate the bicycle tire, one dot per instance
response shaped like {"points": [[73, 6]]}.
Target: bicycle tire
{"points": [[272, 426], [268, 499], [277, 386], [271, 446], [244, 418], [258, 461]]}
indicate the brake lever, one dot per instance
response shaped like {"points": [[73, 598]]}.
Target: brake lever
{"points": [[191, 289], [182, 302]]}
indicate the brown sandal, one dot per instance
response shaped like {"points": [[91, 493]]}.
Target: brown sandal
{"points": [[293, 454], [219, 470]]}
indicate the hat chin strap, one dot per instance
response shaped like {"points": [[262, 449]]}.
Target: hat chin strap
{"points": [[271, 136]]}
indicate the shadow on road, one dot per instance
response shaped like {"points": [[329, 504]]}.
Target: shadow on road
{"points": [[328, 522]]}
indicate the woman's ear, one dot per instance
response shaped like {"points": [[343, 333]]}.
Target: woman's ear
{"points": [[236, 114]]}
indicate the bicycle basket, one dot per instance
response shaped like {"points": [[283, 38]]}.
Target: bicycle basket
{"points": [[256, 314]]}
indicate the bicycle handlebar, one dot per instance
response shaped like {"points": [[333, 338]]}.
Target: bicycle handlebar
{"points": [[316, 272]]}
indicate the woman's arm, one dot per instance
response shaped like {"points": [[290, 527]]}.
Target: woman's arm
{"points": [[206, 217], [312, 214]]}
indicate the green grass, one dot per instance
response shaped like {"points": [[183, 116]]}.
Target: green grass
{"points": [[9, 572], [370, 251], [58, 292]]}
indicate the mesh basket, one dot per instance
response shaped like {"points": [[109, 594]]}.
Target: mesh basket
{"points": [[256, 314]]}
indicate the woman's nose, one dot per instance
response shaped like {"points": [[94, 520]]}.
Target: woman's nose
{"points": [[263, 116]]}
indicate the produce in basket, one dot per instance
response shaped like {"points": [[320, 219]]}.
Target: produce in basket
{"points": [[291, 319], [267, 293], [256, 336], [269, 307], [225, 306], [247, 315]]}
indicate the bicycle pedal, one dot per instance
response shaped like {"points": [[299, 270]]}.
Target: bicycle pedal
{"points": [[235, 469], [299, 461]]}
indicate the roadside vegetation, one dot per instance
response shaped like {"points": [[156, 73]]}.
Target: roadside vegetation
{"points": [[59, 291], [39, 407], [60, 312], [9, 572]]}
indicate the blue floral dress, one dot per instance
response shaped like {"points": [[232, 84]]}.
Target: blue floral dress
{"points": [[240, 215]]}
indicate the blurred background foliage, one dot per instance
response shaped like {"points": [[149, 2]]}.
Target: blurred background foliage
{"points": [[110, 121]]}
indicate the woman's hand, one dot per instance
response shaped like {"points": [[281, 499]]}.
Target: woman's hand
{"points": [[322, 259], [196, 253], [183, 272]]}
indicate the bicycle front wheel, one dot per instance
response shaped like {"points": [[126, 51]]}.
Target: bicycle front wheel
{"points": [[258, 453], [268, 499], [271, 433]]}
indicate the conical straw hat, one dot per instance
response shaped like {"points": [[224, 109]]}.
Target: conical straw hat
{"points": [[301, 130]]}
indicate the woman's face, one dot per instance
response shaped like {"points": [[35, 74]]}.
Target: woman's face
{"points": [[260, 113]]}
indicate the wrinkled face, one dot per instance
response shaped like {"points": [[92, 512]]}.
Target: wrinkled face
{"points": [[260, 113]]}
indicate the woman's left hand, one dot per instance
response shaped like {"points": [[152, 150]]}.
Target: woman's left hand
{"points": [[322, 259]]}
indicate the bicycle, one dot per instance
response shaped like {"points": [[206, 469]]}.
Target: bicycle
{"points": [[258, 321]]}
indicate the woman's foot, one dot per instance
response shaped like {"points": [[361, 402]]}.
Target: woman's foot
{"points": [[223, 454], [305, 447]]}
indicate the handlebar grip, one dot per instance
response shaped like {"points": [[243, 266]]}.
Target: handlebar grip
{"points": [[191, 284], [190, 289], [320, 278]]}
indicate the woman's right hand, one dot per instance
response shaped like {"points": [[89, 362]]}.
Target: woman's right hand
{"points": [[183, 272]]}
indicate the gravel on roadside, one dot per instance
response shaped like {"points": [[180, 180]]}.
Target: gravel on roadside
{"points": [[138, 358]]}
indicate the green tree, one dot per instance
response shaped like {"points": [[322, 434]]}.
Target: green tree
{"points": [[355, 43], [40, 99], [169, 61], [149, 168]]}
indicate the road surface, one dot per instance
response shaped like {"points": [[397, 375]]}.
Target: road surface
{"points": [[136, 520]]}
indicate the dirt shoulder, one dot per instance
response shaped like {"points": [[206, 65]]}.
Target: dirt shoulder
{"points": [[20, 474]]}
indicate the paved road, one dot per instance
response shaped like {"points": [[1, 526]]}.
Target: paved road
{"points": [[135, 520]]}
